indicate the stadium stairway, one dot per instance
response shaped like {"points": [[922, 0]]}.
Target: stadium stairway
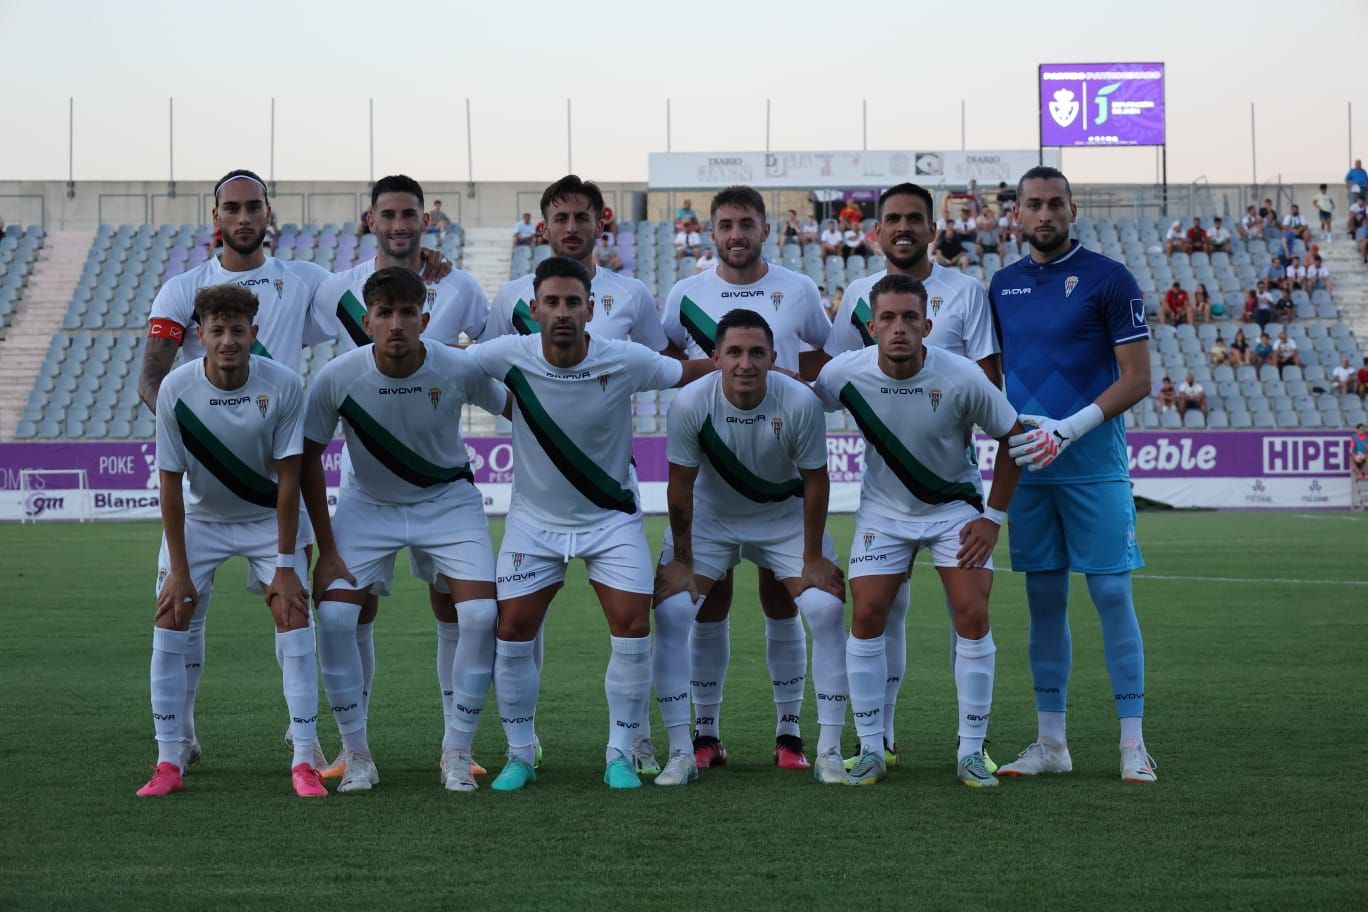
{"points": [[1350, 276], [37, 317], [488, 255]]}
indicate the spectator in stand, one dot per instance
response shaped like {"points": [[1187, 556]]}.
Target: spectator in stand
{"points": [[1009, 229], [1317, 275], [1006, 196], [1296, 276], [985, 234], [1220, 353], [272, 234], [1275, 274], [1249, 223], [1362, 378], [1251, 306], [1167, 395], [873, 247], [1358, 211], [852, 240], [811, 230], [1266, 304], [832, 239], [948, 248], [685, 214], [1282, 306], [705, 261], [1191, 396], [1263, 351], [1175, 241], [2, 227], [1360, 452], [851, 213], [688, 240], [1201, 304], [1325, 210], [363, 224], [976, 199], [604, 251], [524, 232], [793, 229], [1196, 238], [1356, 181], [1239, 348], [826, 302], [1269, 229], [1175, 308], [1296, 225], [1218, 239], [838, 297], [1286, 352], [438, 221], [1345, 381]]}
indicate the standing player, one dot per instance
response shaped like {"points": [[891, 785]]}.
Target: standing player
{"points": [[748, 478], [458, 307], [400, 401], [231, 425], [792, 306], [573, 216], [574, 495], [1075, 353], [961, 323], [287, 321], [914, 404]]}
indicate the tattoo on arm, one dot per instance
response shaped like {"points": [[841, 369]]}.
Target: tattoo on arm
{"points": [[681, 525], [156, 364]]}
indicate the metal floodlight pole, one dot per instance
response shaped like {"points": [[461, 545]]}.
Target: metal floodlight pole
{"points": [[1351, 130], [767, 124], [171, 146], [1253, 152], [569, 158], [470, 156], [71, 147], [864, 124], [669, 127], [272, 171], [962, 147], [372, 140]]}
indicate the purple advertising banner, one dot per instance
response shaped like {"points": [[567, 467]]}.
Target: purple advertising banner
{"points": [[1102, 104]]}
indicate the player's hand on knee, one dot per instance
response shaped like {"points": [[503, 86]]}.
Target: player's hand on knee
{"points": [[329, 569], [824, 575], [977, 541], [675, 577], [177, 598], [287, 587]]}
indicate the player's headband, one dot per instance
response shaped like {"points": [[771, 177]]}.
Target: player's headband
{"points": [[236, 177]]}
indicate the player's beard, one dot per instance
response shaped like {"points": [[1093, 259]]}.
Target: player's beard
{"points": [[751, 254], [412, 253], [912, 260], [1061, 240], [231, 241]]}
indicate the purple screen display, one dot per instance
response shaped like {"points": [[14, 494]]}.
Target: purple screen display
{"points": [[1102, 104]]}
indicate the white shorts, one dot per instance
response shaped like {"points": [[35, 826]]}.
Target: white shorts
{"points": [[720, 545], [445, 537], [616, 555], [209, 544], [884, 546]]}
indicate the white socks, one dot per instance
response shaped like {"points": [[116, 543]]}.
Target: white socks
{"points": [[516, 684], [1130, 730], [299, 677], [895, 642], [786, 657], [628, 686], [1050, 727], [168, 691], [825, 616], [342, 675], [448, 635], [365, 642], [867, 669], [710, 651], [674, 619], [194, 662], [471, 671], [974, 665]]}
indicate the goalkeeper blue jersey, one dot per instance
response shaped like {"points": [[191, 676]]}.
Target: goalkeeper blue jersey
{"points": [[1058, 324]]}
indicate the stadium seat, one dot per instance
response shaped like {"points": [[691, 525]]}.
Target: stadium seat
{"points": [[1193, 419]]}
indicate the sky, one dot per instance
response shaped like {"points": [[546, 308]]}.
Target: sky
{"points": [[912, 63]]}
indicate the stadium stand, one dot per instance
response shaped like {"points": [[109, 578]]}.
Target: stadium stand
{"points": [[87, 384]]}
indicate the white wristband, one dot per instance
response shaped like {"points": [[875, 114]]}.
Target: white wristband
{"points": [[1083, 420], [995, 516], [285, 561]]}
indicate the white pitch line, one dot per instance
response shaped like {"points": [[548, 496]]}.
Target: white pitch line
{"points": [[1244, 579]]}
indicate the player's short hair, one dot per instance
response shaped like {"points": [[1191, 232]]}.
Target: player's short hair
{"points": [[241, 174], [738, 195], [572, 185], [393, 285], [907, 189], [742, 318], [397, 183], [1044, 172], [898, 284], [227, 302], [560, 268]]}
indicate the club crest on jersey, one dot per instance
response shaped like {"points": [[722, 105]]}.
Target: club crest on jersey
{"points": [[435, 396], [776, 299], [935, 395], [263, 402], [778, 425], [936, 302], [517, 560], [1069, 285], [868, 540], [279, 287], [603, 380], [607, 304], [431, 297]]}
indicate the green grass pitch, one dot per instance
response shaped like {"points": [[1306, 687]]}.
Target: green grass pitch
{"points": [[1255, 640]]}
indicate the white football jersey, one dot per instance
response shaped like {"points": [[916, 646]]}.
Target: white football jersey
{"points": [[287, 314], [788, 301], [623, 309], [403, 434], [916, 464], [748, 460], [961, 321], [572, 427], [457, 305], [226, 442]]}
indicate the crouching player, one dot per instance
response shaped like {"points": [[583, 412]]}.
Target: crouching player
{"points": [[232, 424], [399, 400], [914, 404], [748, 478]]}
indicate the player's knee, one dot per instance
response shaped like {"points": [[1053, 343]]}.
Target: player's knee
{"points": [[821, 609], [369, 609], [635, 627], [868, 621], [337, 616], [718, 603], [443, 607], [167, 621]]}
